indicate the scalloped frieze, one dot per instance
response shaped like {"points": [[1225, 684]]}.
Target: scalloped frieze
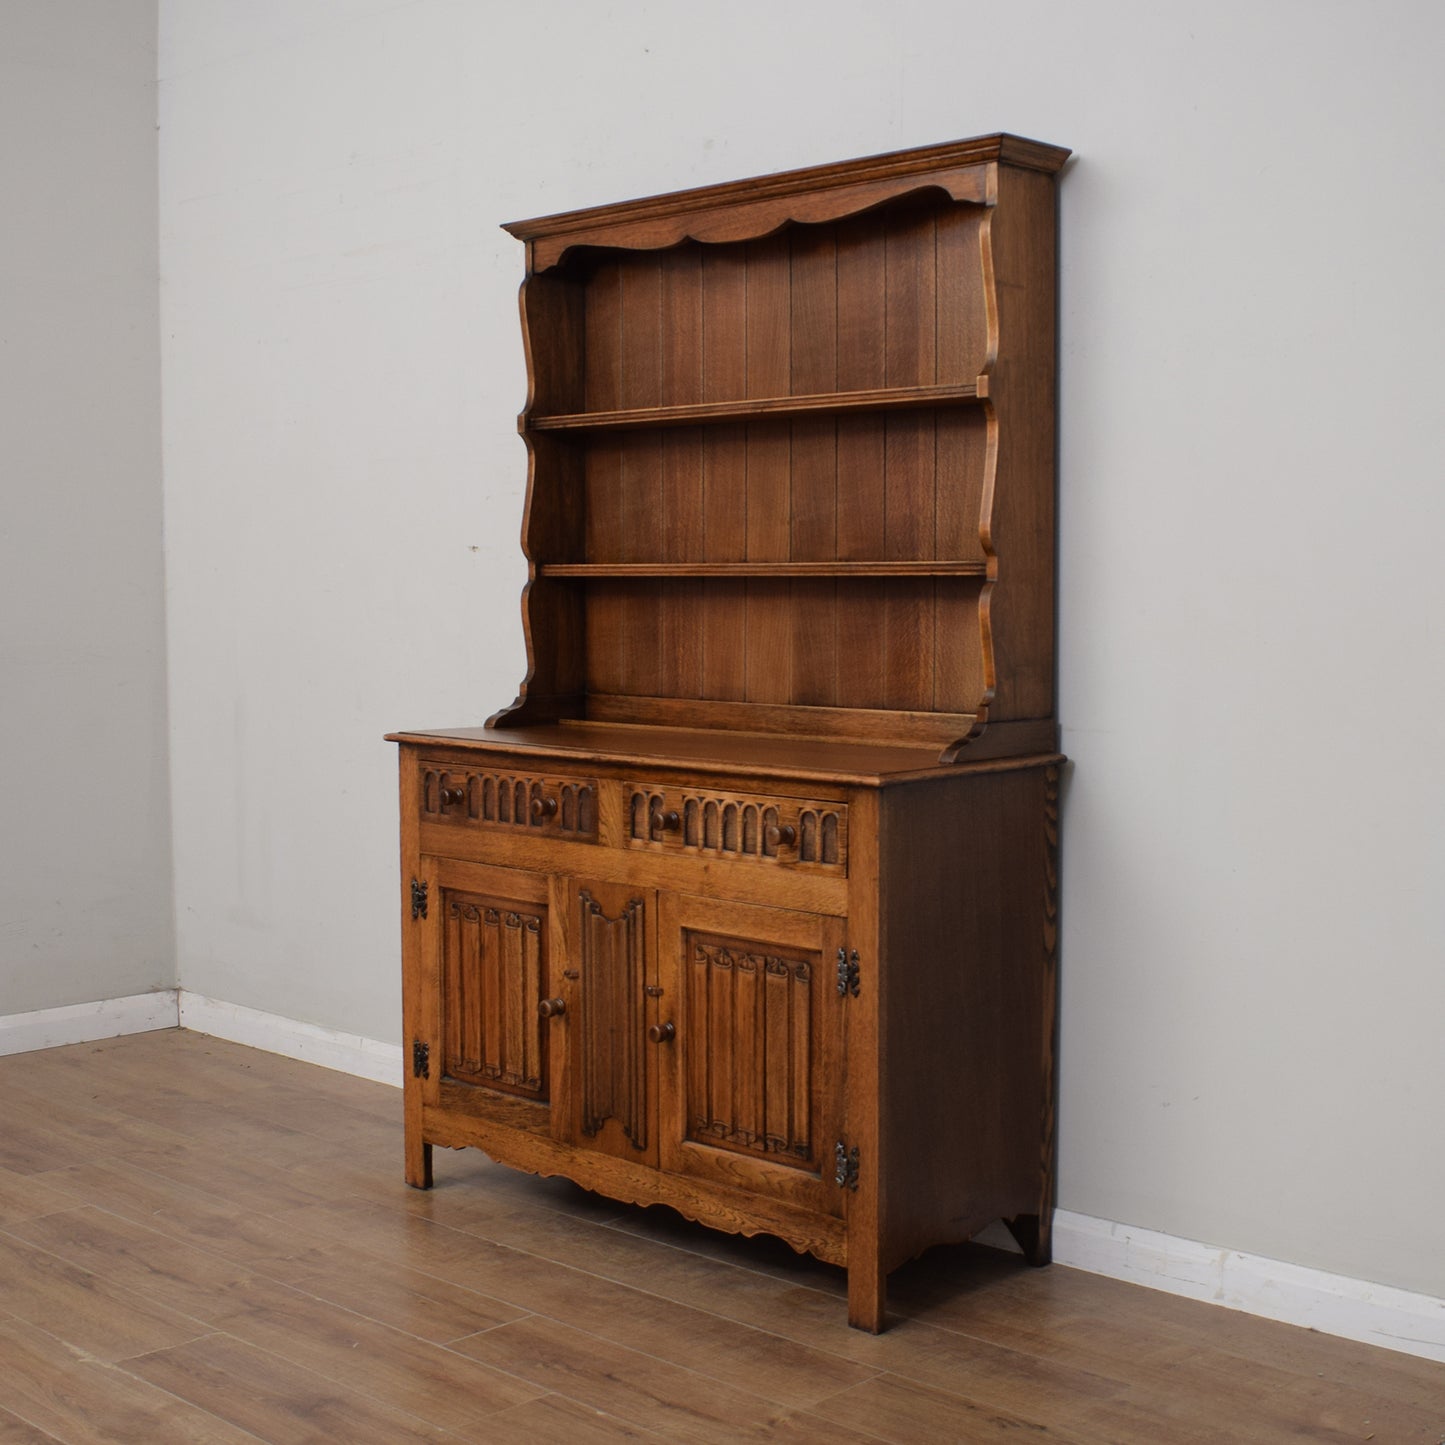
{"points": [[751, 220]]}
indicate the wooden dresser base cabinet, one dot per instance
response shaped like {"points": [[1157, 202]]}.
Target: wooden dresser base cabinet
{"points": [[746, 905], [858, 1059]]}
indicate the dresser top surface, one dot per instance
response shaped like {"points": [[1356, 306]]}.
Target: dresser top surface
{"points": [[709, 750]]}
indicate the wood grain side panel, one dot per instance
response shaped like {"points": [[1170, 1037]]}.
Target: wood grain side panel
{"points": [[682, 533], [724, 377], [1023, 520], [635, 605], [554, 329], [958, 677], [602, 314], [768, 665], [606, 664], [641, 347], [814, 643], [862, 363], [909, 474], [962, 333], [966, 931], [814, 521]]}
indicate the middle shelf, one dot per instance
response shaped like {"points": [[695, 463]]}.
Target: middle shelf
{"points": [[833, 403], [764, 569]]}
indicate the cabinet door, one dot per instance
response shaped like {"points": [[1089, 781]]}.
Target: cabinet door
{"points": [[751, 1081], [486, 965], [605, 1077]]}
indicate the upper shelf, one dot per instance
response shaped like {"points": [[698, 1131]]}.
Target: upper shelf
{"points": [[890, 398]]}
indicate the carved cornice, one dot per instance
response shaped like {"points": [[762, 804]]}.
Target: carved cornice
{"points": [[742, 210]]}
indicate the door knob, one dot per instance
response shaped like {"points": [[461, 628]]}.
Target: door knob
{"points": [[662, 1033], [552, 1008]]}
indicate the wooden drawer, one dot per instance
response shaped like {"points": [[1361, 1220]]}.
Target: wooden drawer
{"points": [[788, 832], [509, 800]]}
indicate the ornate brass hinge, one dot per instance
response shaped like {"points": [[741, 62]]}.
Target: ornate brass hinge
{"points": [[418, 898], [845, 1166], [420, 1059], [848, 976]]}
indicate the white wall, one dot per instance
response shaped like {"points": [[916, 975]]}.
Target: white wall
{"points": [[1251, 456], [85, 887]]}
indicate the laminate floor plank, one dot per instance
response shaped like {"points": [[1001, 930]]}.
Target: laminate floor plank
{"points": [[803, 1315], [82, 1309], [23, 1196], [555, 1420], [676, 1403], [29, 1145], [787, 1372], [15, 1431], [424, 1305], [154, 1266], [275, 1399], [57, 1394], [1054, 1377], [240, 1179], [441, 1386], [189, 1214], [333, 1341], [903, 1412], [87, 1129], [203, 1242], [1093, 1321]]}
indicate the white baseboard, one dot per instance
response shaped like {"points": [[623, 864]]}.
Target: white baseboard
{"points": [[82, 1023], [332, 1049], [1334, 1304]]}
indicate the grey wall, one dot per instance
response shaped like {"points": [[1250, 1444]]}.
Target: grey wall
{"points": [[1252, 667], [85, 879]]}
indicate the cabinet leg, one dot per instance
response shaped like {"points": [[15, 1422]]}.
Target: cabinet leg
{"points": [[1034, 1236], [418, 1163], [867, 1295]]}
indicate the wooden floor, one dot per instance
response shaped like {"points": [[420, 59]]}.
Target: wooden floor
{"points": [[199, 1242]]}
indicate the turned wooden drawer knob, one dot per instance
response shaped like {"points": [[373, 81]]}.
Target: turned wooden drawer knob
{"points": [[552, 1008], [780, 837], [453, 795], [668, 822], [662, 1033], [544, 807]]}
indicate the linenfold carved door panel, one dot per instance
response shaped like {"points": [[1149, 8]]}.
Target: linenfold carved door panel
{"points": [[751, 1075], [608, 995], [489, 958]]}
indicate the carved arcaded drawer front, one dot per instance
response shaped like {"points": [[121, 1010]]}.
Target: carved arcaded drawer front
{"points": [[794, 832], [563, 807]]}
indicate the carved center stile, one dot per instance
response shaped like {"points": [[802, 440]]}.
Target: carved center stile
{"points": [[612, 961]]}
